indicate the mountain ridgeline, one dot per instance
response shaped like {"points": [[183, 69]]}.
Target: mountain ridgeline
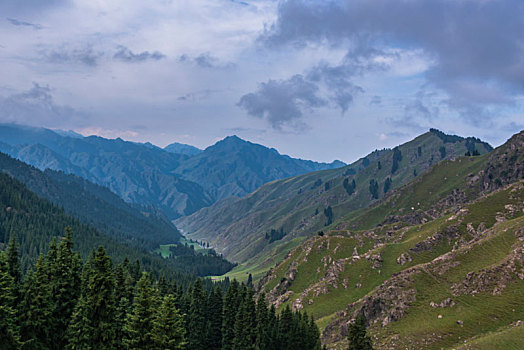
{"points": [[305, 204], [177, 183]]}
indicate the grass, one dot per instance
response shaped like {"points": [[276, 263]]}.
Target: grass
{"points": [[163, 249], [259, 266], [420, 328], [507, 338], [480, 314]]}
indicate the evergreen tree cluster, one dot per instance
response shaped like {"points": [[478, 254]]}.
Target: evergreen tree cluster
{"points": [[442, 151], [349, 186], [387, 185], [35, 221], [275, 235], [64, 303], [397, 157], [373, 188], [328, 213], [357, 334]]}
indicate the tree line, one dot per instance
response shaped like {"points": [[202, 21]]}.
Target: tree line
{"points": [[34, 221], [65, 303]]}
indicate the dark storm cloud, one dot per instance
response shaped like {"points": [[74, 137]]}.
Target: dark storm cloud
{"points": [[36, 107], [473, 43], [17, 22], [333, 85], [126, 55], [84, 55], [281, 102]]}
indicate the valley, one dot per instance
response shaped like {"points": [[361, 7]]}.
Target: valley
{"points": [[401, 236]]}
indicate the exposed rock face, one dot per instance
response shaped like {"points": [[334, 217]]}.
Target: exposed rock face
{"points": [[495, 278], [445, 303], [450, 232], [505, 165], [376, 261], [387, 304], [404, 258]]}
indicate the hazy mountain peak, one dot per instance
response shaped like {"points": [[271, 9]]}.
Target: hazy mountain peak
{"points": [[182, 148]]}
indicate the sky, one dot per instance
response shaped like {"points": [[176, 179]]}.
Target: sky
{"points": [[319, 80]]}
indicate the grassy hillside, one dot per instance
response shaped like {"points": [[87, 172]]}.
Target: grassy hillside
{"points": [[303, 205], [437, 262]]}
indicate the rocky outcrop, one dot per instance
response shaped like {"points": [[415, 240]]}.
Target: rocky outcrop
{"points": [[495, 278], [444, 303], [505, 165], [450, 232], [404, 258], [388, 303]]}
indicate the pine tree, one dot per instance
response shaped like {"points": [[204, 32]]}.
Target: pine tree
{"points": [[214, 319], [285, 328], [313, 335], [36, 308], [231, 304], [263, 326], [13, 263], [80, 328], [197, 318], [357, 337], [245, 324], [274, 327], [168, 327], [123, 302], [63, 269], [92, 325], [9, 338], [139, 321]]}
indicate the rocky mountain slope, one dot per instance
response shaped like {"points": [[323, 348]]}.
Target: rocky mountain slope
{"points": [[242, 228], [436, 264], [146, 174], [234, 167]]}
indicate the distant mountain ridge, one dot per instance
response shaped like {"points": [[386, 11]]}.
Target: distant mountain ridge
{"points": [[302, 205], [95, 205], [236, 167], [145, 174], [182, 148]]}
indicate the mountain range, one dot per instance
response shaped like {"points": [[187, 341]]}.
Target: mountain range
{"points": [[425, 240], [177, 183], [302, 205]]}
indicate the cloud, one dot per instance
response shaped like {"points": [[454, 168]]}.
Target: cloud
{"points": [[196, 96], [29, 6], [282, 102], [418, 114], [36, 107], [473, 43], [85, 55], [205, 60], [375, 100], [333, 85], [126, 55], [16, 22]]}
